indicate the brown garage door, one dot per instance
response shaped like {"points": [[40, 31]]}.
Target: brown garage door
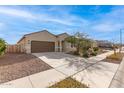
{"points": [[42, 46]]}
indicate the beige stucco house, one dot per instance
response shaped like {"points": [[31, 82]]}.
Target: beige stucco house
{"points": [[44, 41]]}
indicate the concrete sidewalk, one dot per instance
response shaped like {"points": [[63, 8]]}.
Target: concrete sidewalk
{"points": [[39, 80], [98, 75], [101, 56], [118, 80]]}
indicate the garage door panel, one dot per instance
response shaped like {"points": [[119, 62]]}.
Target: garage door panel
{"points": [[42, 46]]}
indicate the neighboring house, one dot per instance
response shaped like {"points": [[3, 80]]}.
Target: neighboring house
{"points": [[104, 44], [44, 41]]}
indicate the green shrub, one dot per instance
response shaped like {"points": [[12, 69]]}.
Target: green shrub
{"points": [[75, 53], [94, 53], [85, 54], [95, 48], [2, 46]]}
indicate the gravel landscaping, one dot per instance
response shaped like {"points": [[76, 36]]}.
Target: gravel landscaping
{"points": [[14, 66]]}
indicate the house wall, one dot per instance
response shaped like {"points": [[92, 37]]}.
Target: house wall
{"points": [[46, 36], [67, 46], [22, 43], [60, 39]]}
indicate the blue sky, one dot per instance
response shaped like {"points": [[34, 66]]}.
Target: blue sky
{"points": [[99, 22]]}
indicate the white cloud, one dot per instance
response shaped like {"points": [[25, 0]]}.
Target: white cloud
{"points": [[1, 28], [116, 13], [25, 14], [1, 25], [16, 12], [106, 27], [67, 20], [64, 18], [59, 21], [2, 35], [107, 22], [110, 21], [48, 18]]}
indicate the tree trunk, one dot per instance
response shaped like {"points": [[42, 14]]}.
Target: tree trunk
{"points": [[78, 49]]}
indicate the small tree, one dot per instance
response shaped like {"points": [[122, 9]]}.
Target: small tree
{"points": [[2, 46], [80, 41], [114, 46]]}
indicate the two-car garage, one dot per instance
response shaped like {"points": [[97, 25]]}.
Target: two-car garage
{"points": [[42, 46]]}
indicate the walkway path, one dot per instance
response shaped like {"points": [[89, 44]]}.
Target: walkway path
{"points": [[118, 80], [67, 65], [97, 76]]}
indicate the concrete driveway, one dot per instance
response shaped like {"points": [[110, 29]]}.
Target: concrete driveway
{"points": [[54, 59], [65, 63]]}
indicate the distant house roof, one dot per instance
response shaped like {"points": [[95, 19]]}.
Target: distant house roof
{"points": [[104, 43], [39, 32]]}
